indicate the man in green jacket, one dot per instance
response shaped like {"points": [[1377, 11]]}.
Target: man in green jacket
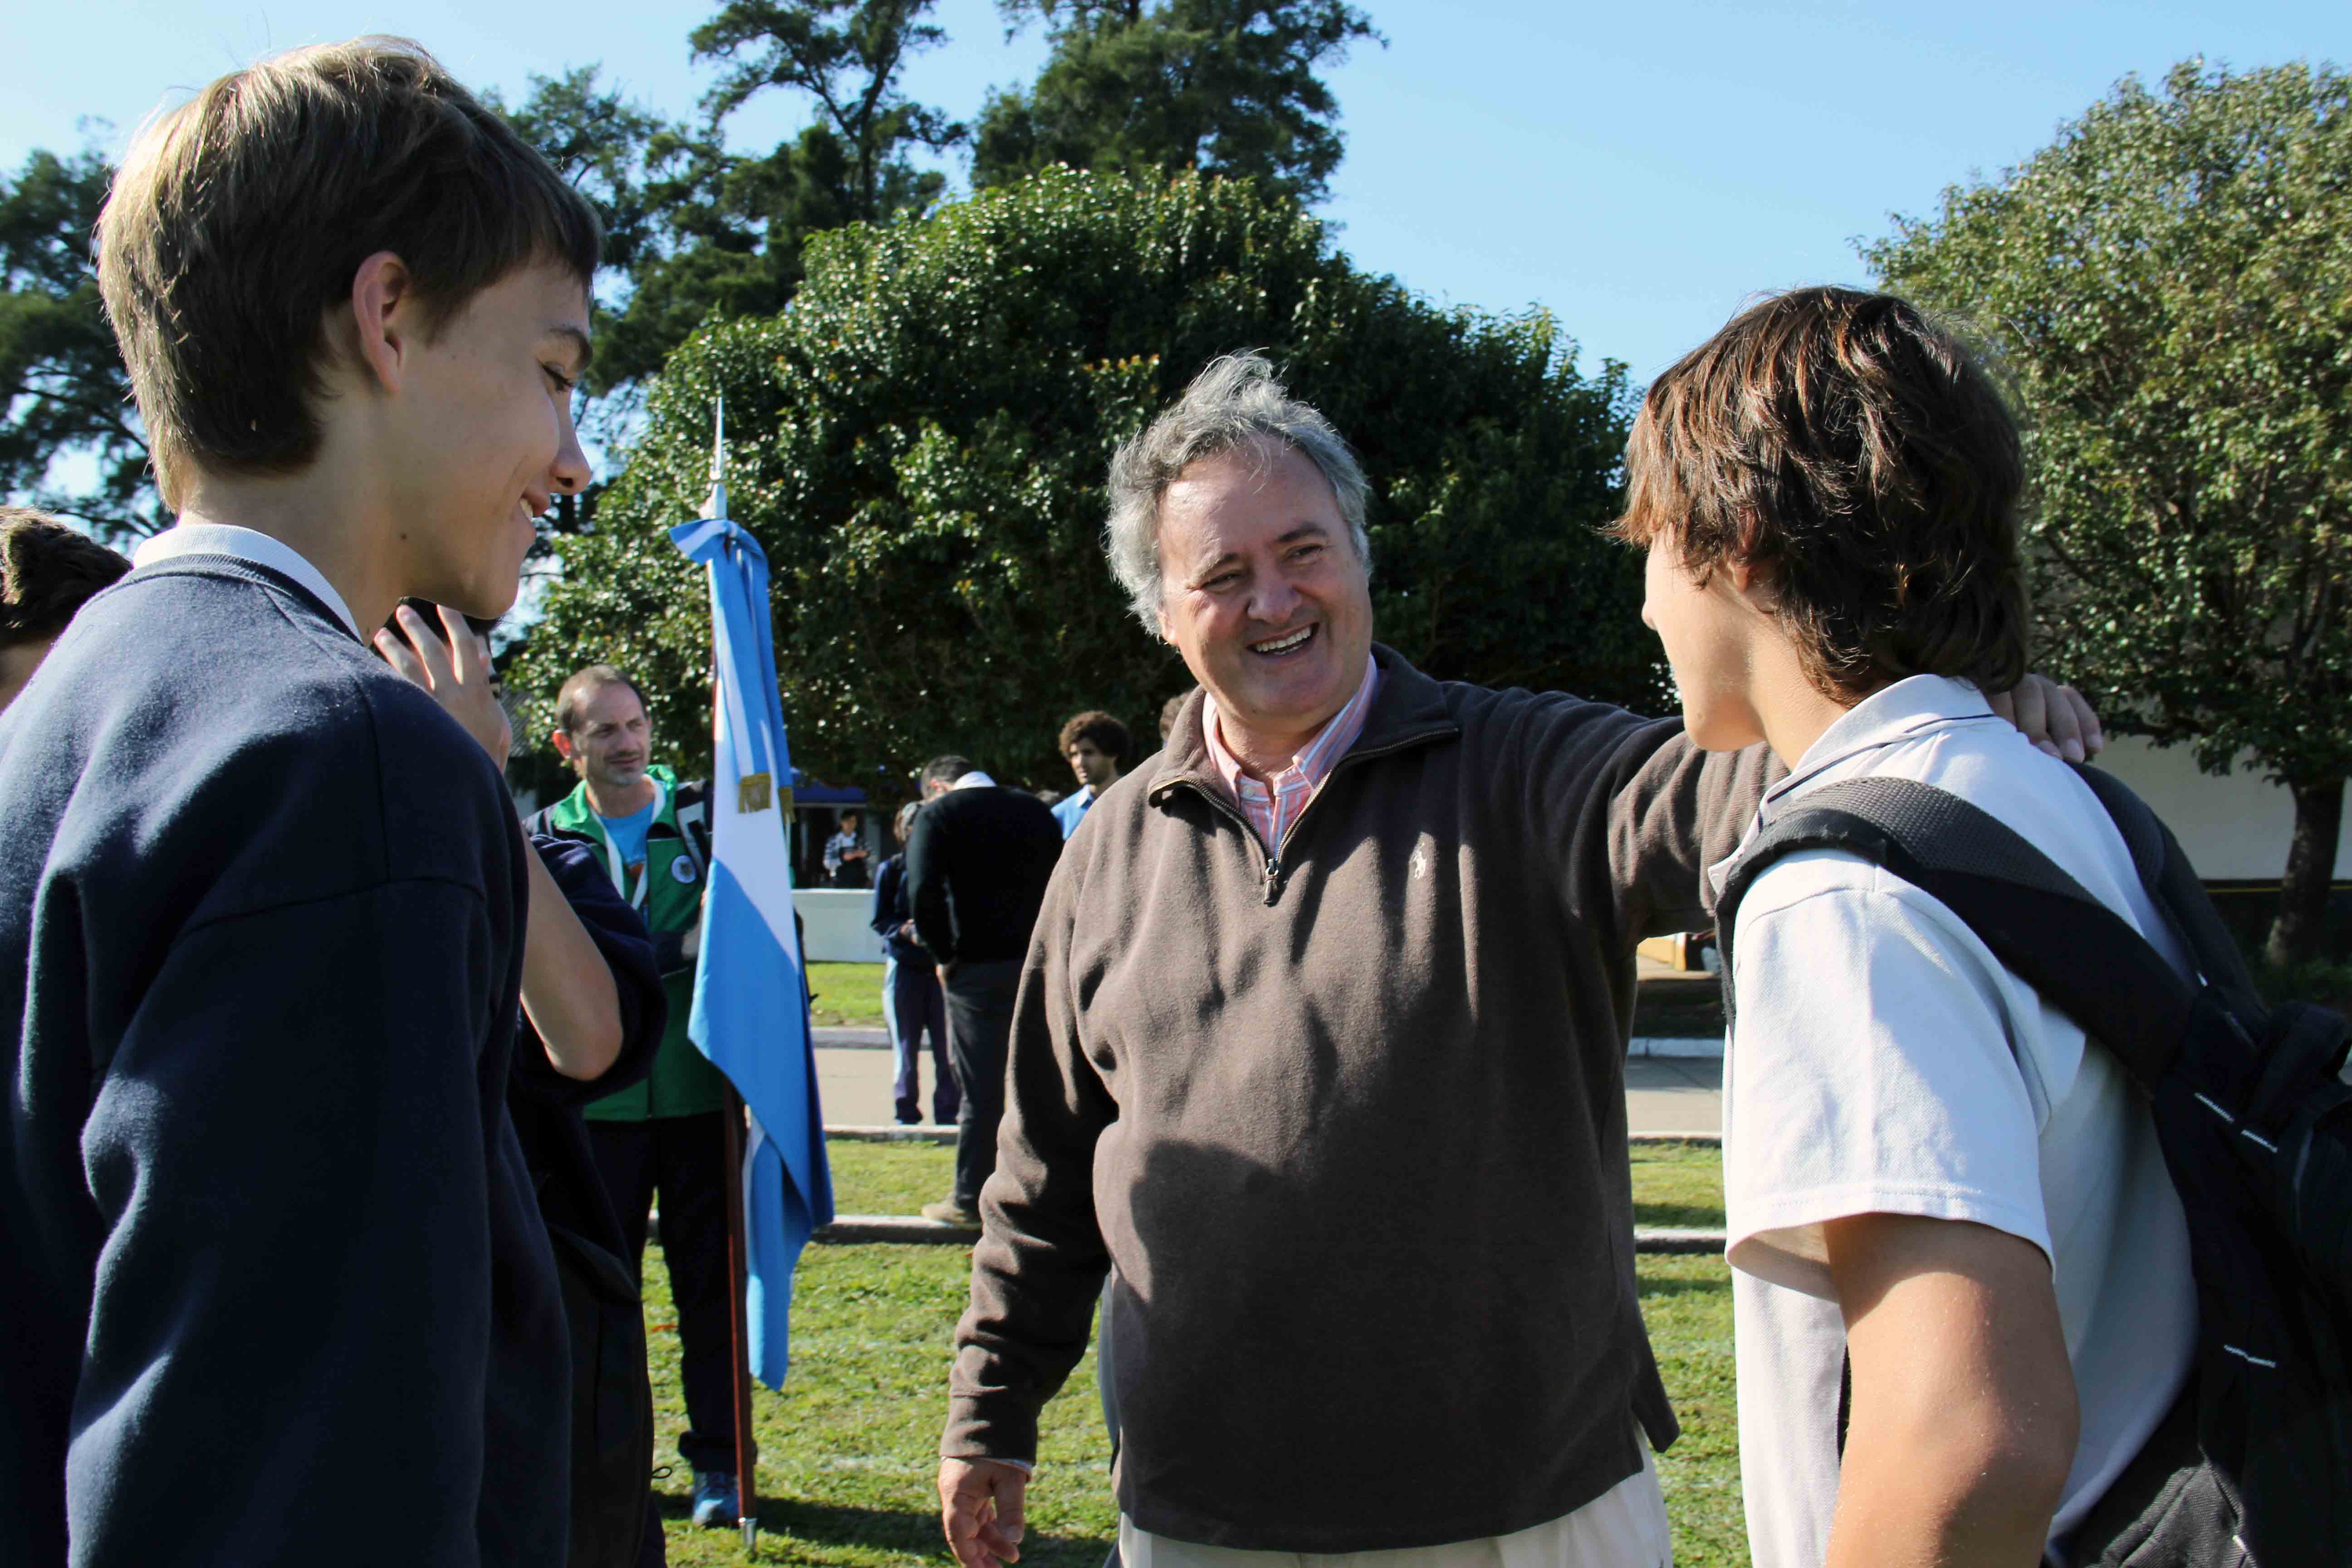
{"points": [[665, 1135]]}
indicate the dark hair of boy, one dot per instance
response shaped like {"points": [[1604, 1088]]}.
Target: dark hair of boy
{"points": [[583, 684], [47, 571], [240, 217], [1859, 458], [1109, 735], [941, 772]]}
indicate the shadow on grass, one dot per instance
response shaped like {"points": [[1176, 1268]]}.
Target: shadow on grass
{"points": [[886, 1530], [1678, 1216], [1666, 1285]]}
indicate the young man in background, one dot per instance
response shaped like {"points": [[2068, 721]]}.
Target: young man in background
{"points": [[1092, 743], [913, 1007]]}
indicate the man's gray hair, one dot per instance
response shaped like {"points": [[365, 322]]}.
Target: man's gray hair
{"points": [[1234, 405]]}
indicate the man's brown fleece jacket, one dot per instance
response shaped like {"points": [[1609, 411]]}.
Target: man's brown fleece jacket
{"points": [[1351, 1121]]}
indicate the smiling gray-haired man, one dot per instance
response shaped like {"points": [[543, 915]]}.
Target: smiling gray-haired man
{"points": [[1320, 1040]]}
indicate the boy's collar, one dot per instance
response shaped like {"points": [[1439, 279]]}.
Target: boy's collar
{"points": [[246, 544], [1889, 715]]}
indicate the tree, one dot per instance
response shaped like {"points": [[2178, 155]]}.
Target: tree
{"points": [[847, 54], [2170, 285], [694, 231], [65, 398], [919, 444], [1225, 87]]}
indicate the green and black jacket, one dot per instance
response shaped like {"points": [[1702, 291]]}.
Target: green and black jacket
{"points": [[667, 891]]}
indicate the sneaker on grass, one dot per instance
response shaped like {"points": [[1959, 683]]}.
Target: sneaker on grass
{"points": [[714, 1499], [947, 1211]]}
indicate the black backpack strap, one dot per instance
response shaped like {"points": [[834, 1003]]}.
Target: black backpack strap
{"points": [[2173, 887], [2076, 954]]}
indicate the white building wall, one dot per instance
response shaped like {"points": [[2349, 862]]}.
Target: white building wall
{"points": [[836, 929], [2234, 827]]}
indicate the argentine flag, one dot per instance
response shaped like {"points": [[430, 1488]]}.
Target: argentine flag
{"points": [[750, 1010]]}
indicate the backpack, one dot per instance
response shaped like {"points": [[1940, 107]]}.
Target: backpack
{"points": [[2255, 1126]]}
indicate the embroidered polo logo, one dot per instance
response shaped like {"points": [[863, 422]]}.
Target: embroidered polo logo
{"points": [[1420, 863]]}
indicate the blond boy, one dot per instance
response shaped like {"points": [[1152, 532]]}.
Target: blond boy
{"points": [[278, 1291]]}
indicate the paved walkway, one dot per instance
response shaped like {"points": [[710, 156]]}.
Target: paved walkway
{"points": [[1663, 1093]]}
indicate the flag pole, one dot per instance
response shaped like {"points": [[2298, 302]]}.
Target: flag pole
{"points": [[739, 1327], [737, 1324]]}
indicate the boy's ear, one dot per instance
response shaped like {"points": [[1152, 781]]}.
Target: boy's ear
{"points": [[385, 325], [1740, 566]]}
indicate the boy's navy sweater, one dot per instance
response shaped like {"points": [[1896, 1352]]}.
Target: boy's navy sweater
{"points": [[280, 1291]]}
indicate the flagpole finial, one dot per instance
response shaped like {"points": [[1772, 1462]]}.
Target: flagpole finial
{"points": [[717, 505]]}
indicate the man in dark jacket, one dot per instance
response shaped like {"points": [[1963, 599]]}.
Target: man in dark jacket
{"points": [[977, 866], [912, 1005]]}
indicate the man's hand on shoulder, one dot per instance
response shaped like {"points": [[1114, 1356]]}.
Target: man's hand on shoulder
{"points": [[982, 1508], [2054, 718], [456, 673]]}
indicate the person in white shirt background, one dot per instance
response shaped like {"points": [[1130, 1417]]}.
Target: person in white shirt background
{"points": [[1934, 1185]]}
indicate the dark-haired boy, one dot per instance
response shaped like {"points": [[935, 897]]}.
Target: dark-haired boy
{"points": [[48, 572], [1092, 743], [1961, 1274], [280, 1292]]}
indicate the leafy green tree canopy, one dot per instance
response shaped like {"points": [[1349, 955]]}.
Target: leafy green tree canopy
{"points": [[920, 443], [2170, 284], [1225, 87], [695, 231], [847, 54], [63, 391]]}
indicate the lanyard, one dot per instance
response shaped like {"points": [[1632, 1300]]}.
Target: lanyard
{"points": [[646, 870]]}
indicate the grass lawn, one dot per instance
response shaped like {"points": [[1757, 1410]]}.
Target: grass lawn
{"points": [[849, 996], [847, 1452]]}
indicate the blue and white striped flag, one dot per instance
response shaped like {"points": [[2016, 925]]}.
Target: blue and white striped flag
{"points": [[751, 1009]]}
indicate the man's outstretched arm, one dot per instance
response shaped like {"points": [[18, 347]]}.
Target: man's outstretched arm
{"points": [[1674, 810]]}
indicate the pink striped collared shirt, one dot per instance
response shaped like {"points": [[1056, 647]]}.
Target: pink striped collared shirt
{"points": [[1272, 807]]}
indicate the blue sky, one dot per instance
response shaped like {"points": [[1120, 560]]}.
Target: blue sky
{"points": [[1638, 169]]}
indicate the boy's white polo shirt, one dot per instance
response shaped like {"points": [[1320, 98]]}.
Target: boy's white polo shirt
{"points": [[1883, 1061]]}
